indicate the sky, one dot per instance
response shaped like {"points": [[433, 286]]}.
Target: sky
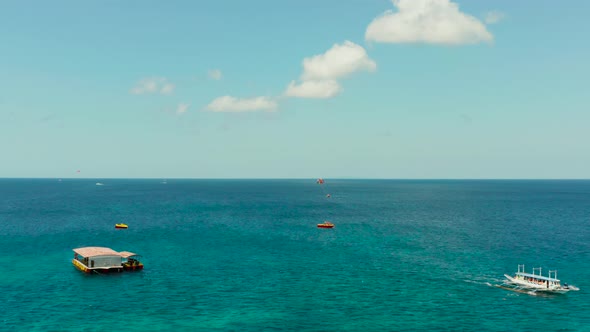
{"points": [[402, 89]]}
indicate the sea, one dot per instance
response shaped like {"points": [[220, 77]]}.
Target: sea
{"points": [[247, 255]]}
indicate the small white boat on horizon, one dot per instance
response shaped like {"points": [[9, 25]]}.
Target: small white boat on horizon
{"points": [[536, 282], [99, 184]]}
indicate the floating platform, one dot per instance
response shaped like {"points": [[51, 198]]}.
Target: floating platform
{"points": [[105, 260]]}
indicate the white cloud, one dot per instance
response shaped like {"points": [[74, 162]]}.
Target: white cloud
{"points": [[215, 74], [338, 61], [320, 72], [182, 108], [232, 104], [167, 89], [494, 17], [427, 21], [153, 85], [313, 89]]}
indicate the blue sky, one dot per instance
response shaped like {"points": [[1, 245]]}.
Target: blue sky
{"points": [[285, 89]]}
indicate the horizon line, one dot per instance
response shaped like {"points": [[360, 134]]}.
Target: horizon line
{"points": [[294, 178]]}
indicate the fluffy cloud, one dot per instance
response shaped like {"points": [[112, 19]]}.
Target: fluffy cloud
{"points": [[215, 74], [313, 89], [320, 72], [153, 85], [232, 104], [182, 108], [494, 17], [427, 21], [167, 89], [338, 61]]}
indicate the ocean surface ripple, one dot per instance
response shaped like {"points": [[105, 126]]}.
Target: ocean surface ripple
{"points": [[246, 255]]}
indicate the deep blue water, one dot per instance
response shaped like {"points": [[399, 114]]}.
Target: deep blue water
{"points": [[246, 255]]}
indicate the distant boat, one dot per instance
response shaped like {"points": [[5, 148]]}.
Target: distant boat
{"points": [[326, 224], [537, 282], [99, 184], [121, 226]]}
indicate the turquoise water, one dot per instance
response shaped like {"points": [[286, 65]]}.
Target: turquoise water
{"points": [[245, 255]]}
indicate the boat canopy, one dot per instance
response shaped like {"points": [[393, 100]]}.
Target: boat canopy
{"points": [[95, 251], [536, 276], [127, 254]]}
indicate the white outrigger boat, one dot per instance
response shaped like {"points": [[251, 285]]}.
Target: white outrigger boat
{"points": [[537, 282]]}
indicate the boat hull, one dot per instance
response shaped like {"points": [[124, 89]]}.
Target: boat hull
{"points": [[133, 267], [80, 266]]}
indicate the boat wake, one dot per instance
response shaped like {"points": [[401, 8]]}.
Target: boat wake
{"points": [[478, 282], [498, 283]]}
